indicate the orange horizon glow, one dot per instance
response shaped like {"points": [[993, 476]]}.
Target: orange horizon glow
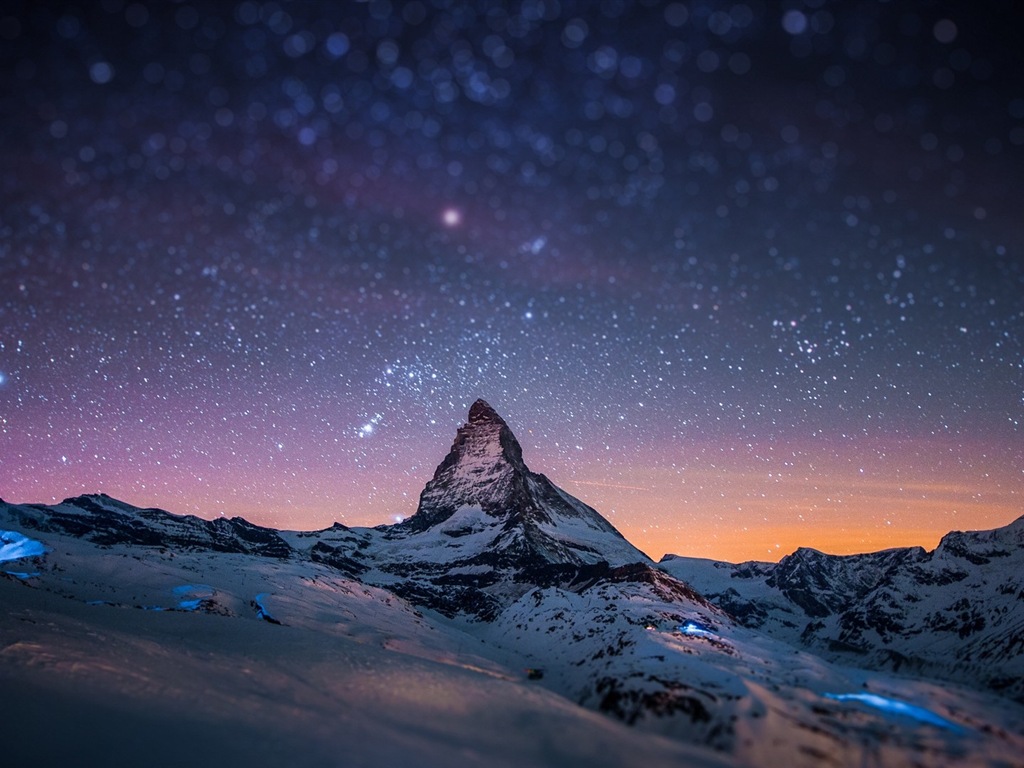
{"points": [[772, 544], [857, 527], [715, 502], [864, 497], [868, 519]]}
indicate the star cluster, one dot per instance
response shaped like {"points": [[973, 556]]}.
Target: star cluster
{"points": [[742, 276]]}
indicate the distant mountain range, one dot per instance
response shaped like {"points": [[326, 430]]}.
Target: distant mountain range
{"points": [[495, 621], [956, 613]]}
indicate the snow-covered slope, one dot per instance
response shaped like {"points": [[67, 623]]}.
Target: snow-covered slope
{"points": [[251, 656], [955, 613], [131, 654], [652, 653], [505, 623]]}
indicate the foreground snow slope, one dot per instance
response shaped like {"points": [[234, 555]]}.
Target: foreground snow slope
{"points": [[98, 685]]}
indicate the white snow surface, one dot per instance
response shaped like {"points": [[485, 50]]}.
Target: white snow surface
{"points": [[354, 676]]}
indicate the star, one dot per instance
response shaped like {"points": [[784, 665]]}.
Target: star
{"points": [[451, 217]]}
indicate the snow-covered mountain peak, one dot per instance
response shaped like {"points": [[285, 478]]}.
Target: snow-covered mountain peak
{"points": [[481, 411], [483, 441], [484, 444], [981, 547], [483, 469], [485, 510]]}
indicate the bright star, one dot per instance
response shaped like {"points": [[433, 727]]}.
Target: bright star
{"points": [[451, 217]]}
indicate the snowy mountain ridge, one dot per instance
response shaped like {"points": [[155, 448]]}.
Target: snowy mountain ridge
{"points": [[502, 595], [954, 613]]}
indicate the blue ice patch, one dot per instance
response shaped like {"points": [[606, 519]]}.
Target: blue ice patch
{"points": [[21, 575], [261, 609], [201, 590], [15, 546], [897, 707], [195, 594], [694, 629]]}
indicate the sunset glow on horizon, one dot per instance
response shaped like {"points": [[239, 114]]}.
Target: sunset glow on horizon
{"points": [[720, 504]]}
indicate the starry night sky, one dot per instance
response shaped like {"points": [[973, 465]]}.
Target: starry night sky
{"points": [[743, 276]]}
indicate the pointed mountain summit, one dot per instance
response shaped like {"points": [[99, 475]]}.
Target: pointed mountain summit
{"points": [[484, 486], [484, 468], [487, 530]]}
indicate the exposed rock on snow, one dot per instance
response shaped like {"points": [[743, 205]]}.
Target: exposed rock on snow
{"points": [[106, 521]]}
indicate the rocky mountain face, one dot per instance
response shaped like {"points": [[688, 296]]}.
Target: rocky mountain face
{"points": [[484, 469], [955, 613], [484, 478], [499, 560], [487, 528]]}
